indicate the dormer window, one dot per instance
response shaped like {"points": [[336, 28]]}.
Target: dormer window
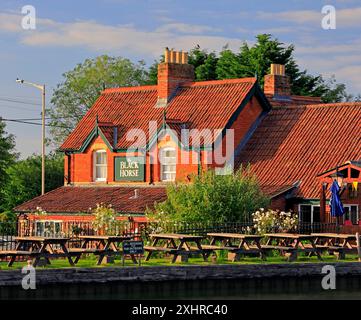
{"points": [[100, 165], [168, 164]]}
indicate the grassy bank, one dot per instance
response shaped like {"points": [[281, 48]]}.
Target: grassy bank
{"points": [[90, 262]]}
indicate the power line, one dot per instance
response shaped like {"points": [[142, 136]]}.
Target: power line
{"points": [[26, 119], [34, 123], [27, 98], [17, 107], [20, 101]]}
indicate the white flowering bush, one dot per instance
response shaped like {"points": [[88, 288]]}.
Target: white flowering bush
{"points": [[106, 222], [40, 212], [104, 217], [274, 221]]}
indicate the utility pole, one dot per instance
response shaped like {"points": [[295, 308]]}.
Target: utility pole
{"points": [[43, 141], [42, 88]]}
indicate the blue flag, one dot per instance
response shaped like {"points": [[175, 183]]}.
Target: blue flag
{"points": [[336, 206]]}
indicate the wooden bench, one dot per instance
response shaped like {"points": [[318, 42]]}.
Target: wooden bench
{"points": [[10, 253], [289, 252], [15, 253], [339, 252], [76, 251], [184, 254], [251, 250], [162, 249]]}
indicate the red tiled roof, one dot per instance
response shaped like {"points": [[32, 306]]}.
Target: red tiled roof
{"points": [[299, 142], [292, 100], [79, 199], [275, 190], [202, 105]]}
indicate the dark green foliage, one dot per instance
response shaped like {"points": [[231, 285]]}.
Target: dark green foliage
{"points": [[24, 179], [213, 198], [7, 158]]}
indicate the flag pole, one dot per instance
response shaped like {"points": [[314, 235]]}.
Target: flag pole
{"points": [[337, 221]]}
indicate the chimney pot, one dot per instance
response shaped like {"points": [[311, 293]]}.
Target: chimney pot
{"points": [[178, 57], [172, 56], [278, 69], [166, 55], [185, 57]]}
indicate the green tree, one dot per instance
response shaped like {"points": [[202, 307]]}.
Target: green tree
{"points": [[204, 64], [83, 85], [256, 60], [7, 157], [212, 198], [229, 65], [24, 179]]}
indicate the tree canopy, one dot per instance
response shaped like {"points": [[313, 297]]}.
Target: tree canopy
{"points": [[7, 158], [24, 179], [212, 198], [83, 85]]}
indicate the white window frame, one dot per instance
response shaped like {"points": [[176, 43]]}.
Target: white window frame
{"points": [[162, 172], [312, 209], [95, 165], [349, 208], [47, 233]]}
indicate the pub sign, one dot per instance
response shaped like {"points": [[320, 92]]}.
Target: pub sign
{"points": [[129, 168]]}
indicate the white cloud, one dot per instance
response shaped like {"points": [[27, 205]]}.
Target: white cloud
{"points": [[345, 17], [341, 60], [100, 37], [186, 28], [10, 22]]}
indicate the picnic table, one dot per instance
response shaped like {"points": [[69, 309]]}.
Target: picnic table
{"points": [[336, 243], [183, 248], [104, 246], [331, 237], [248, 244], [290, 244], [40, 248]]}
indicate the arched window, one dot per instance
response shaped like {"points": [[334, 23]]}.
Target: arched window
{"points": [[168, 164], [100, 165]]}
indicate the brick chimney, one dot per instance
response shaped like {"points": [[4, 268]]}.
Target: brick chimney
{"points": [[277, 84], [174, 71]]}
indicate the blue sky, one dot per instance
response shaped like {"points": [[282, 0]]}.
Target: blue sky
{"points": [[67, 32]]}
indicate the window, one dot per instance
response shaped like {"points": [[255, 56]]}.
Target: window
{"points": [[351, 213], [100, 165], [168, 164], [309, 213], [45, 228]]}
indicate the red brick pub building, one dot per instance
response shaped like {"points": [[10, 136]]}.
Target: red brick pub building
{"points": [[294, 144]]}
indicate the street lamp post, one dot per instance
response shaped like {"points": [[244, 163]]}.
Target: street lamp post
{"points": [[42, 88]]}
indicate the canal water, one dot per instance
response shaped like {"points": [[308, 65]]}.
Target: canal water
{"points": [[348, 288]]}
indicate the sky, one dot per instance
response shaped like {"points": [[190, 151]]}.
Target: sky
{"points": [[67, 32]]}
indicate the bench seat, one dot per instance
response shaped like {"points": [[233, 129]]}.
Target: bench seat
{"points": [[9, 253], [161, 249], [83, 250], [213, 247], [282, 248]]}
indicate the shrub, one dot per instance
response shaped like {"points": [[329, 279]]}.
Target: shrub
{"points": [[274, 221], [105, 220], [212, 198]]}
